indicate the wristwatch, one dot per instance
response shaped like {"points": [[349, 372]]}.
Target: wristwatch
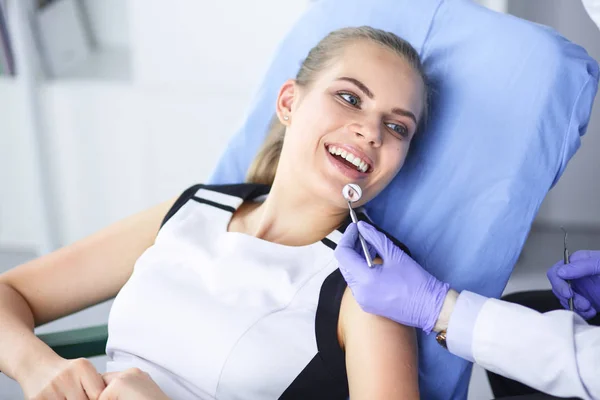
{"points": [[441, 339]]}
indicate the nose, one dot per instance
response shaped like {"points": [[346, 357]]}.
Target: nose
{"points": [[370, 131]]}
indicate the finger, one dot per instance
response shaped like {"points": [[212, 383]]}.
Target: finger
{"points": [[373, 237], [358, 249], [372, 250], [351, 264], [560, 296], [75, 391], [565, 304], [349, 237], [93, 384], [581, 255], [552, 270], [108, 394], [591, 313], [561, 289], [578, 269], [551, 273], [50, 394], [581, 303], [349, 257], [108, 377], [348, 253], [585, 255]]}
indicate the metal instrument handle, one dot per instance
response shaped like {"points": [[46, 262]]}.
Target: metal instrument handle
{"points": [[362, 240]]}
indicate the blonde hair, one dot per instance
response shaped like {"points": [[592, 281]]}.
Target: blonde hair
{"points": [[264, 166]]}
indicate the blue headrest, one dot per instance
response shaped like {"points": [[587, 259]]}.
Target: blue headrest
{"points": [[511, 100]]}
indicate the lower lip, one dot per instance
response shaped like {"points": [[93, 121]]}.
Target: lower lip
{"points": [[351, 173]]}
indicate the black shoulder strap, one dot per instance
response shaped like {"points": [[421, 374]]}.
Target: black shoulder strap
{"points": [[241, 190], [185, 196]]}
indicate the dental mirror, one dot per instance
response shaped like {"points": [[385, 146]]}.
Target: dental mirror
{"points": [[352, 193]]}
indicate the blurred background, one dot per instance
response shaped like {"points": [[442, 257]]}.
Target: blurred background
{"points": [[110, 106]]}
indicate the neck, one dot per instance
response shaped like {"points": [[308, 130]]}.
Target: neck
{"points": [[292, 217]]}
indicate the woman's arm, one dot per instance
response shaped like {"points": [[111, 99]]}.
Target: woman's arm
{"points": [[70, 279], [381, 355]]}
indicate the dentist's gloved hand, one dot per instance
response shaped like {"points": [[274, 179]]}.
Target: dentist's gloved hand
{"points": [[584, 273], [399, 289]]}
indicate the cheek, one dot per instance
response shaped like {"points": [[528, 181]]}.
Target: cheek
{"points": [[315, 118], [398, 151], [393, 159]]}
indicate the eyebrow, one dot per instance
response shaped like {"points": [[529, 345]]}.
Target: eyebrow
{"points": [[405, 113], [359, 84], [366, 91]]}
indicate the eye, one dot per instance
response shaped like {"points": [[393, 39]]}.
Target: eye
{"points": [[351, 99], [399, 129]]}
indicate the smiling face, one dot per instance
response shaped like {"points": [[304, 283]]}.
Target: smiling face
{"points": [[353, 124]]}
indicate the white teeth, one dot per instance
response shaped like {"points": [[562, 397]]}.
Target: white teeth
{"points": [[351, 158]]}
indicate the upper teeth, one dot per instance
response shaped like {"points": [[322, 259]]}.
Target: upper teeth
{"points": [[360, 164]]}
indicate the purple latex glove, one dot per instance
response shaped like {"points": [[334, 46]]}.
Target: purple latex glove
{"points": [[584, 273], [399, 289]]}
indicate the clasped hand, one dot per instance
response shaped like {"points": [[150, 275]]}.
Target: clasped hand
{"points": [[79, 380]]}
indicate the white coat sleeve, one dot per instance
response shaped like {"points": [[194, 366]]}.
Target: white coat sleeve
{"points": [[556, 353]]}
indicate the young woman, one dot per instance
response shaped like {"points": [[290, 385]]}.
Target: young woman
{"points": [[239, 295]]}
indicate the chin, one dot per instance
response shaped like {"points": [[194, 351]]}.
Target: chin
{"points": [[328, 192]]}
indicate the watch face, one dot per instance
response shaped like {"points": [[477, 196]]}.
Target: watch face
{"points": [[441, 339]]}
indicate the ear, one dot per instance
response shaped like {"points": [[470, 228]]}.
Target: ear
{"points": [[285, 100]]}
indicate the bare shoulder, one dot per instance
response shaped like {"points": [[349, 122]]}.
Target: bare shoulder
{"points": [[381, 355]]}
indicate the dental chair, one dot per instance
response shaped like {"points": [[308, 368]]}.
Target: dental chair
{"points": [[510, 101]]}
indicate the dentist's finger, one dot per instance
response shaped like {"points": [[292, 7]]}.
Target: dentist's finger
{"points": [[584, 255], [579, 269], [375, 238], [581, 303], [591, 313]]}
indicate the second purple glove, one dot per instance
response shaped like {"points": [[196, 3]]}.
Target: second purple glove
{"points": [[584, 273], [399, 289]]}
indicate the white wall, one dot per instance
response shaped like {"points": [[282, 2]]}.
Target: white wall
{"points": [[575, 200], [193, 43], [120, 149], [17, 205]]}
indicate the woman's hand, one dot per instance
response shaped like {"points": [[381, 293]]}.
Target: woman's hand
{"points": [[66, 379], [131, 384]]}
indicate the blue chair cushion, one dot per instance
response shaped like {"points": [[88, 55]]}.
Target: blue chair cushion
{"points": [[511, 100]]}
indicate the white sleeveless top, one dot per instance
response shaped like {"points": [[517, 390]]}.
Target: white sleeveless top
{"points": [[211, 314]]}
